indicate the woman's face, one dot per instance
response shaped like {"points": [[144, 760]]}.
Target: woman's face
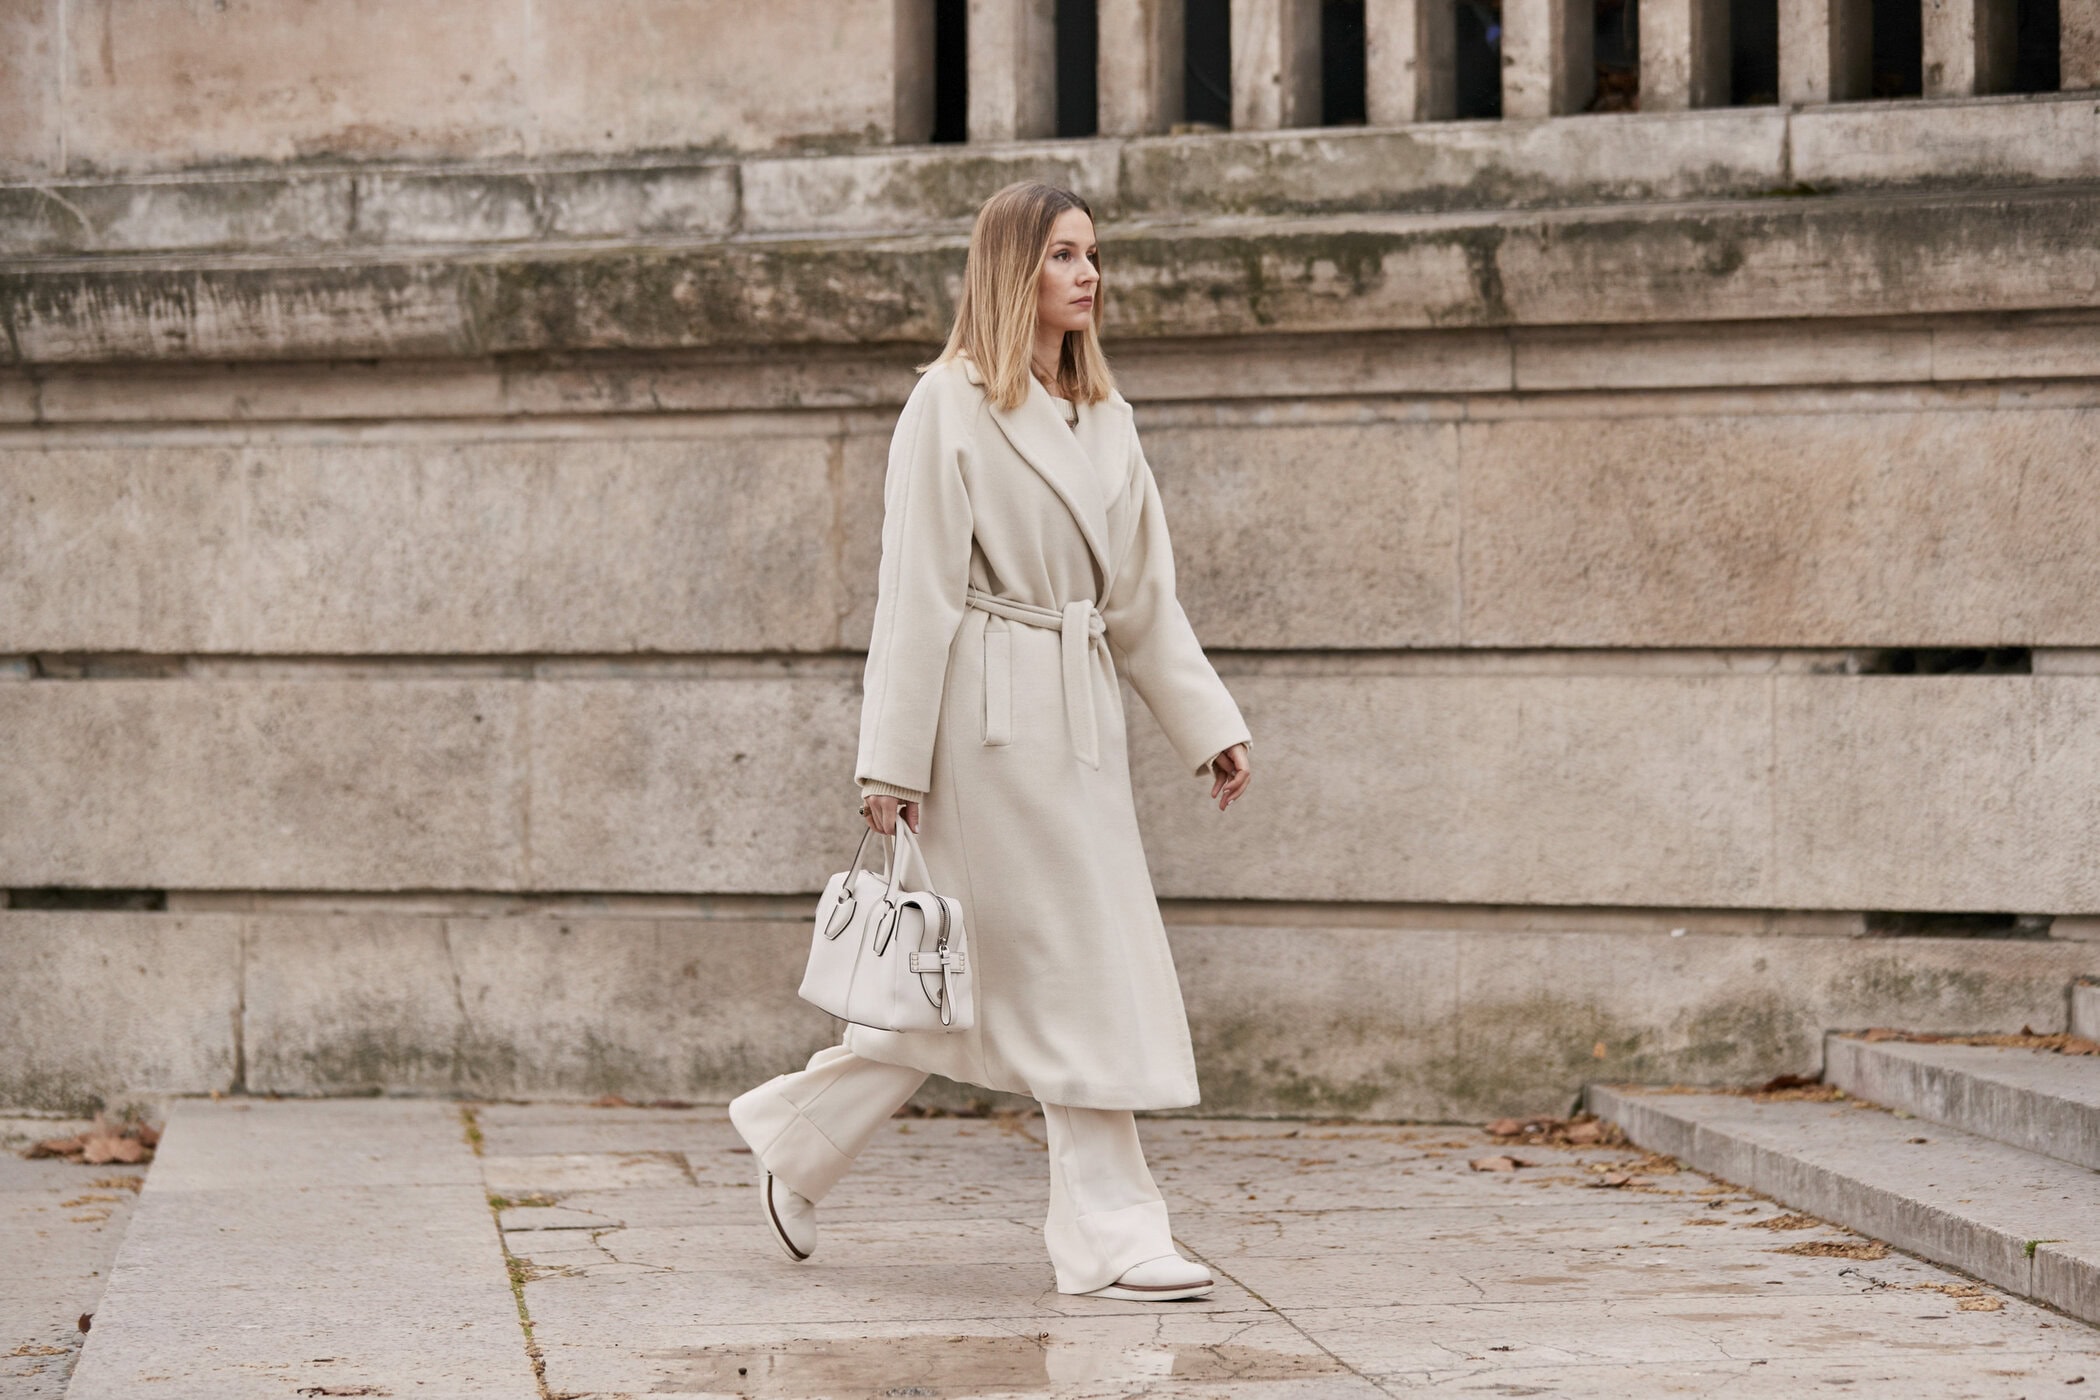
{"points": [[1065, 292]]}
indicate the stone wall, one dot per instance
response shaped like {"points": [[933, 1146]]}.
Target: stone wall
{"points": [[432, 599], [144, 85]]}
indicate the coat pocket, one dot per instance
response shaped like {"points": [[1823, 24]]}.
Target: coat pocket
{"points": [[998, 682]]}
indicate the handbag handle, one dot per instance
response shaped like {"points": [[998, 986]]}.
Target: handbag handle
{"points": [[842, 907], [841, 916]]}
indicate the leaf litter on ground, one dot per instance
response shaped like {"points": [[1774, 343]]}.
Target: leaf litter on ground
{"points": [[102, 1143]]}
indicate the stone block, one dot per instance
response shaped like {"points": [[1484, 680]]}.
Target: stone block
{"points": [[719, 785], [1140, 65], [99, 1007], [1826, 51], [314, 784], [121, 216], [1618, 157], [2078, 45], [1970, 46], [1541, 1013], [1410, 61], [1518, 789], [1339, 535], [245, 312], [936, 188], [1368, 1023], [534, 1005], [1781, 529], [1547, 49], [1275, 64], [1012, 89], [148, 87], [1897, 144], [32, 141], [1684, 55], [2044, 1103], [1515, 788], [1936, 792], [605, 544], [650, 202], [128, 547], [614, 76]]}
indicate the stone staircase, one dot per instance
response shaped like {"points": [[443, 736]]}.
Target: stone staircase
{"points": [[1985, 1158]]}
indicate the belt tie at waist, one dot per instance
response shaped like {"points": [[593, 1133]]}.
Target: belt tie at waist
{"points": [[1082, 628]]}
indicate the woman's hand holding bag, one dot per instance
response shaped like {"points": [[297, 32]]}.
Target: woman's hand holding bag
{"points": [[887, 957]]}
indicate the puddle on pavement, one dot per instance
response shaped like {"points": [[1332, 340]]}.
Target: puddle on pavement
{"points": [[956, 1366]]}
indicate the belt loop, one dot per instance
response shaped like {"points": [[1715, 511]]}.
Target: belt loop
{"points": [[1079, 689]]}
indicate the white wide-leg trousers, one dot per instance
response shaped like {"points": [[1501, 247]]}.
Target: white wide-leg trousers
{"points": [[1106, 1213]]}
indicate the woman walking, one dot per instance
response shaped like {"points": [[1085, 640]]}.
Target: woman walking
{"points": [[1025, 562]]}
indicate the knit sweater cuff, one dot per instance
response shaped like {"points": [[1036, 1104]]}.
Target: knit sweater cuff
{"points": [[870, 787]]}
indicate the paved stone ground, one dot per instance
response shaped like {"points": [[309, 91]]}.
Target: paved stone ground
{"points": [[59, 1228], [293, 1248], [1354, 1261]]}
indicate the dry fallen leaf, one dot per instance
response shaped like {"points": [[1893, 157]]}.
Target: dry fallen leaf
{"points": [[610, 1101], [1837, 1249], [1784, 1222], [1496, 1164], [103, 1148]]}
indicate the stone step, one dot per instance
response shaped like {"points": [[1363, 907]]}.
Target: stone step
{"points": [[2027, 1223], [2085, 1008], [2034, 1099], [309, 1247]]}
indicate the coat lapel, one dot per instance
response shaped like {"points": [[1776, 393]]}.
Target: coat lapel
{"points": [[1060, 456]]}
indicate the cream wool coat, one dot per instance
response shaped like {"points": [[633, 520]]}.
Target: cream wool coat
{"points": [[1010, 722]]}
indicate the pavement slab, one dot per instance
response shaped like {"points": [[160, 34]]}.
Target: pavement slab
{"points": [[60, 1224], [292, 1248], [1353, 1261], [309, 1247]]}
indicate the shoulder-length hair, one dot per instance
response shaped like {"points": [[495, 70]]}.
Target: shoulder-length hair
{"points": [[995, 322]]}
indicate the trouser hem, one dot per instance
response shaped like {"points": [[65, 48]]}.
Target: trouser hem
{"points": [[1093, 1251]]}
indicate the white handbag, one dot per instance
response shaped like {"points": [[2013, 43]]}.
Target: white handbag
{"points": [[887, 957]]}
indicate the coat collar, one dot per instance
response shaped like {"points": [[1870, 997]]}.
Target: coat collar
{"points": [[1064, 458]]}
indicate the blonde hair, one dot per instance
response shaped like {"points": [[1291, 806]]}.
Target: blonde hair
{"points": [[995, 322]]}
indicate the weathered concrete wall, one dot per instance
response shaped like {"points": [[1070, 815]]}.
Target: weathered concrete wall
{"points": [[443, 585], [1386, 1022], [136, 85]]}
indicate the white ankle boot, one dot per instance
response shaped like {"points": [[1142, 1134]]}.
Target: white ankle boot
{"points": [[1161, 1280]]}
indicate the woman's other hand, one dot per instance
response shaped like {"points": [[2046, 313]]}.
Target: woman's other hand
{"points": [[881, 812], [1229, 775]]}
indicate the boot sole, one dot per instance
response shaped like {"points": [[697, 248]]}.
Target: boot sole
{"points": [[780, 1235], [1154, 1295]]}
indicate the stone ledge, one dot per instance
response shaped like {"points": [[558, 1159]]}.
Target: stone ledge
{"points": [[2010, 1217], [1431, 167], [1749, 260]]}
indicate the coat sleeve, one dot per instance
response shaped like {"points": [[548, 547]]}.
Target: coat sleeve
{"points": [[926, 534], [1156, 647]]}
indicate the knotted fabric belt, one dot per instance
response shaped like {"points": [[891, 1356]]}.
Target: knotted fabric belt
{"points": [[1083, 628]]}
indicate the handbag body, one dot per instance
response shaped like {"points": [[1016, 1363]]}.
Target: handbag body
{"points": [[887, 957]]}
